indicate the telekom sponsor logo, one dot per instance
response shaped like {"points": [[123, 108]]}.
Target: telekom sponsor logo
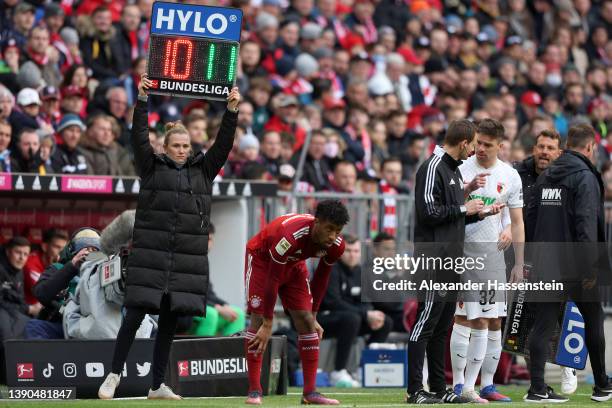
{"points": [[84, 184], [6, 182]]}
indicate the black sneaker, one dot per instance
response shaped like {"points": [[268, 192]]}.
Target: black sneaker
{"points": [[449, 397], [601, 394], [547, 397], [422, 397]]}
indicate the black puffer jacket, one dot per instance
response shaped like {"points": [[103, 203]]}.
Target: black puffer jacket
{"points": [[170, 241]]}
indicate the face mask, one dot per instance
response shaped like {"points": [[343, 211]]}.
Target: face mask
{"points": [[554, 79], [331, 149]]}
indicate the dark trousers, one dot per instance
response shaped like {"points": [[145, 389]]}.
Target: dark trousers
{"points": [[42, 329], [543, 328], [345, 326], [429, 333], [163, 339]]}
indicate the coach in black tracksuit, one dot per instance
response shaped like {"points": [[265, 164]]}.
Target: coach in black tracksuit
{"points": [[568, 217], [441, 214]]}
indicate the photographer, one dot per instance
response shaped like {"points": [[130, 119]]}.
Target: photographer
{"points": [[93, 311], [57, 281], [168, 265]]}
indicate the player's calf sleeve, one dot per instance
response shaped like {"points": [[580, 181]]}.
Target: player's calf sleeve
{"points": [[491, 360], [308, 346], [475, 355], [460, 338], [253, 363]]}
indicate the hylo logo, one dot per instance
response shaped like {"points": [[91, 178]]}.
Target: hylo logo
{"points": [[215, 23], [25, 370]]}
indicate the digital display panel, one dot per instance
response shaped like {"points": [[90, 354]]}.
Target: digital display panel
{"points": [[193, 50]]}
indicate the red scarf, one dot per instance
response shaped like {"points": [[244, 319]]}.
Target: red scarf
{"points": [[40, 59], [389, 213]]}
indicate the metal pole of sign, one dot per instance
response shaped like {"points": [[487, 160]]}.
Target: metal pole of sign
{"points": [[300, 170]]}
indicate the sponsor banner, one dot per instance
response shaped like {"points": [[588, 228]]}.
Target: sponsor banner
{"points": [[121, 186], [82, 364], [217, 366], [567, 344], [198, 367], [6, 181], [87, 184]]}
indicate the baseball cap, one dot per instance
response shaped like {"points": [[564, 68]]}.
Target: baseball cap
{"points": [[422, 42], [513, 40], [28, 96], [361, 56], [24, 7], [53, 9], [483, 37], [68, 120], [531, 98], [71, 90], [286, 172], [333, 103], [288, 100], [49, 92]]}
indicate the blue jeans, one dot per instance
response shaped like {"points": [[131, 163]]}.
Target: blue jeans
{"points": [[42, 329]]}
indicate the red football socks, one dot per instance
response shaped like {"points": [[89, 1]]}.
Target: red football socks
{"points": [[308, 345], [253, 363]]}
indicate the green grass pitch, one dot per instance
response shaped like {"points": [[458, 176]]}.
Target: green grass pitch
{"points": [[368, 397]]}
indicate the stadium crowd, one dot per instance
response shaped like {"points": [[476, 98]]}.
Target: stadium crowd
{"points": [[374, 83]]}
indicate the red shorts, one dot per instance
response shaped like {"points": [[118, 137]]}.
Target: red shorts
{"points": [[293, 290]]}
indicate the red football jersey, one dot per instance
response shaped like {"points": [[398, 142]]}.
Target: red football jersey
{"points": [[288, 240]]}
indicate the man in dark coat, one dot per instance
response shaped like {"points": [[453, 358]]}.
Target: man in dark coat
{"points": [[168, 266], [569, 234]]}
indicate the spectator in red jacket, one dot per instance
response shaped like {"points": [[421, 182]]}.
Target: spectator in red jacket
{"points": [[54, 240]]}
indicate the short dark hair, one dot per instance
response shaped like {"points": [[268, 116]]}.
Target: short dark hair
{"points": [[491, 127], [24, 131], [211, 228], [345, 163], [580, 136], [391, 159], [350, 239], [333, 211], [54, 233], [383, 236], [17, 241], [549, 133], [458, 131]]}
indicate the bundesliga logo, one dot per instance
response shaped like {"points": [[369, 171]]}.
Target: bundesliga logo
{"points": [[183, 368]]}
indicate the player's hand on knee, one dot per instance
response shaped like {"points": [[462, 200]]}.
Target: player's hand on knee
{"points": [[319, 330], [260, 341]]}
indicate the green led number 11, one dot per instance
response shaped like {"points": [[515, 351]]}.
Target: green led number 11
{"points": [[184, 45]]}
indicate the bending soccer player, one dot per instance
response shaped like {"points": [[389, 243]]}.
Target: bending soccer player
{"points": [[275, 266], [476, 337]]}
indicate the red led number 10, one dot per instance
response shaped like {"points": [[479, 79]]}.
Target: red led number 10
{"points": [[172, 48]]}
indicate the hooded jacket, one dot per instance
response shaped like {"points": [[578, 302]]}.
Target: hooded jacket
{"points": [[567, 214], [170, 244]]}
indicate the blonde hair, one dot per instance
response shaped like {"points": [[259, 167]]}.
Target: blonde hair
{"points": [[172, 128]]}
